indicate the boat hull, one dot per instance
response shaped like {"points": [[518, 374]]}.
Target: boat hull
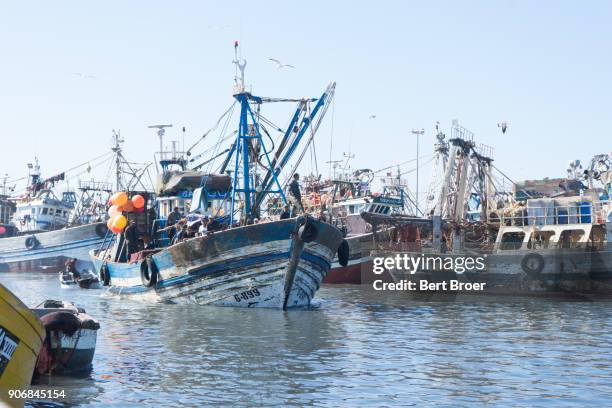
{"points": [[568, 273], [360, 247], [71, 339], [263, 265], [52, 250], [21, 337]]}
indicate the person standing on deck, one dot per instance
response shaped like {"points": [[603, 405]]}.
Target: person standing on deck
{"points": [[173, 218], [295, 192], [130, 234], [286, 213]]}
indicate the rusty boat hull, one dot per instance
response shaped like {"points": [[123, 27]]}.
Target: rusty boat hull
{"points": [[263, 265]]}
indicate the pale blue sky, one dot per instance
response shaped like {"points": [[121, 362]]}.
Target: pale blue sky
{"points": [[542, 66]]}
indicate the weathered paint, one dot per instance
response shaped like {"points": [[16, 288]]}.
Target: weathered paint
{"points": [[53, 249], [243, 267], [566, 272]]}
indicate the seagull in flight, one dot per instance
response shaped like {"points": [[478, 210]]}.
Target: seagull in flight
{"points": [[372, 116], [503, 126], [280, 65]]}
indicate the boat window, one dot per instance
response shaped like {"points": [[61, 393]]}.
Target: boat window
{"points": [[386, 210], [58, 211], [512, 240], [44, 211], [351, 209], [540, 239], [570, 238], [33, 210]]}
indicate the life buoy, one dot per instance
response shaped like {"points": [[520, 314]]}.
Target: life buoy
{"points": [[148, 272], [532, 264], [104, 275], [101, 230], [307, 231], [344, 252], [31, 242]]}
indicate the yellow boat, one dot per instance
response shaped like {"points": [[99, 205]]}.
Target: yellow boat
{"points": [[21, 337]]}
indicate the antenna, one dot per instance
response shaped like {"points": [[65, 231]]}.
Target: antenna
{"points": [[240, 66], [161, 130], [117, 140]]}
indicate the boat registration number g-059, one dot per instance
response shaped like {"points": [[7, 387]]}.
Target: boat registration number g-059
{"points": [[247, 294], [8, 345]]}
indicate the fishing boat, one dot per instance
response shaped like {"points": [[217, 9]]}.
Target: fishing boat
{"points": [[344, 198], [85, 280], [555, 242], [21, 337], [250, 258], [42, 231], [40, 237], [70, 344]]}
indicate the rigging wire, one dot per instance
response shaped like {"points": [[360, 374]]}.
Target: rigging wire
{"points": [[223, 131], [402, 163], [230, 109]]}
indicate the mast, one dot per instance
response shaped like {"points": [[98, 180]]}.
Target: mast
{"points": [[249, 151], [117, 140], [161, 131]]}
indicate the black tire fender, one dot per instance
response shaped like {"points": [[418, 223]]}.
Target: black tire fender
{"points": [[104, 275], [31, 242], [148, 272], [344, 253], [308, 231], [532, 264]]}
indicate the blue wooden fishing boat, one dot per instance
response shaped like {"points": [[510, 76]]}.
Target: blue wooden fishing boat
{"points": [[251, 258], [277, 264]]}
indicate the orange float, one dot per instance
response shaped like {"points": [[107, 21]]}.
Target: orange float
{"points": [[119, 199], [138, 201]]}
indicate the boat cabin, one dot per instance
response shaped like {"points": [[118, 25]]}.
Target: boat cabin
{"points": [[42, 214], [568, 222]]}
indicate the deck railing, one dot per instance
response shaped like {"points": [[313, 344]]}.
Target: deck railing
{"points": [[584, 212]]}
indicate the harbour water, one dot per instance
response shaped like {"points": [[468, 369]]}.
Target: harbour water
{"points": [[353, 347]]}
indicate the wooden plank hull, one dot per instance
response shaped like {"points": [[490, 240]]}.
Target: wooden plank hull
{"points": [[53, 249], [242, 267]]}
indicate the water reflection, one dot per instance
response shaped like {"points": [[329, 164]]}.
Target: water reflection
{"points": [[354, 347]]}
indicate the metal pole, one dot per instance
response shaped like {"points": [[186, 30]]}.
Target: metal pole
{"points": [[417, 133]]}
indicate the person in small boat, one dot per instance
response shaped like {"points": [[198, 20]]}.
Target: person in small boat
{"points": [[70, 269], [295, 192], [173, 218], [286, 213]]}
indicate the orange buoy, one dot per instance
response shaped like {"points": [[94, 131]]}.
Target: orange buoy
{"points": [[138, 201], [119, 199]]}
